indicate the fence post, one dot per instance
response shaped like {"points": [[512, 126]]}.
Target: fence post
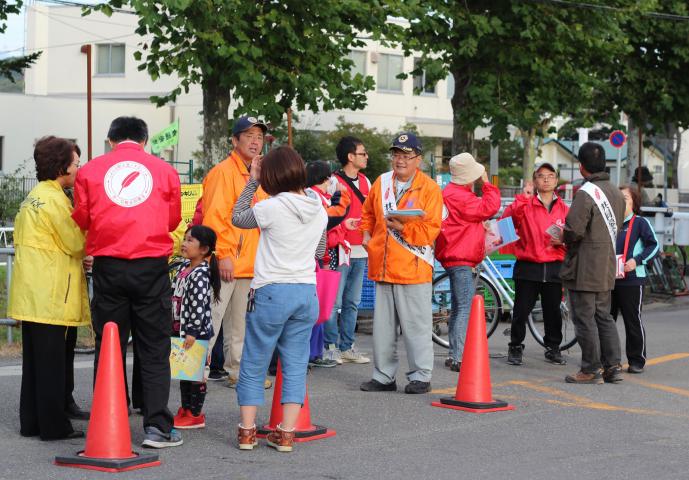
{"points": [[8, 272], [191, 171]]}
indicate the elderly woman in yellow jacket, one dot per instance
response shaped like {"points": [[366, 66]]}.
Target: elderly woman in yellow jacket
{"points": [[48, 291]]}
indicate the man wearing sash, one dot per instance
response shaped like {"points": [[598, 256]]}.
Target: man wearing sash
{"points": [[588, 271], [400, 254]]}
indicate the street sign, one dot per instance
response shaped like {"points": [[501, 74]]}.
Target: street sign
{"points": [[618, 139]]}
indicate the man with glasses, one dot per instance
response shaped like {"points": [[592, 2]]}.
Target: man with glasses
{"points": [[401, 259], [539, 220], [235, 248], [353, 157]]}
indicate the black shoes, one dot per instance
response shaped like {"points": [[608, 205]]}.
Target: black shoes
{"points": [[514, 354], [218, 375], [613, 374], [416, 386], [376, 386], [455, 366], [75, 413], [635, 369], [553, 355]]}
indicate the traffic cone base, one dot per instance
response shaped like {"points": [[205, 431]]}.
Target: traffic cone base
{"points": [[495, 406], [114, 465], [316, 432]]}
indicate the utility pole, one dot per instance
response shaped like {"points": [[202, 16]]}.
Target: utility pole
{"points": [[87, 50]]}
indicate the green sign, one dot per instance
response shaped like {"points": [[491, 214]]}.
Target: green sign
{"points": [[167, 137]]}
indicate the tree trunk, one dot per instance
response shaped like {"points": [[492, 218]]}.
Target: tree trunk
{"points": [[216, 132], [529, 153], [462, 137], [632, 151]]}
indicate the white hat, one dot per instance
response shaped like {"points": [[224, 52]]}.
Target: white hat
{"points": [[464, 169]]}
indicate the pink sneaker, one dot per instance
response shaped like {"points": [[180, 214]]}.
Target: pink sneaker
{"points": [[189, 421]]}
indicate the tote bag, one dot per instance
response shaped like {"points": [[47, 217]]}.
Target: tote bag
{"points": [[327, 283]]}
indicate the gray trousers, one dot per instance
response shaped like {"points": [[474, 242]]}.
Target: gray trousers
{"points": [[408, 307], [595, 329]]}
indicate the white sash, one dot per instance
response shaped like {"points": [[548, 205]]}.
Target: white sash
{"points": [[605, 208], [387, 191]]}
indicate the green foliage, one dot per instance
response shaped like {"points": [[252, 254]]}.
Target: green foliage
{"points": [[13, 66], [12, 194], [510, 153]]}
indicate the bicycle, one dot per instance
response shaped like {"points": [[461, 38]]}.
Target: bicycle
{"points": [[498, 298]]}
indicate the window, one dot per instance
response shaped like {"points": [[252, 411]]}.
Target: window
{"points": [[359, 59], [450, 86], [389, 66], [110, 59], [420, 84], [658, 169]]}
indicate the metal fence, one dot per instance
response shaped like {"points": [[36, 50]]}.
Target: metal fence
{"points": [[13, 191]]}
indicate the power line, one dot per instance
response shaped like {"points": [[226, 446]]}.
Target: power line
{"points": [[29, 50], [593, 6]]}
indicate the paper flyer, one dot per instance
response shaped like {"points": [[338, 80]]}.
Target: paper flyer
{"points": [[188, 364], [499, 233]]}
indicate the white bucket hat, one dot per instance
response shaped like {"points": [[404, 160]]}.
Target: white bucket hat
{"points": [[464, 169]]}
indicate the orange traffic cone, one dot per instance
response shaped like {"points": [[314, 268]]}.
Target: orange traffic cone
{"points": [[108, 439], [474, 391], [304, 430]]}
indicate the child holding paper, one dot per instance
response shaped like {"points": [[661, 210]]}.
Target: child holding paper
{"points": [[461, 244], [194, 281]]}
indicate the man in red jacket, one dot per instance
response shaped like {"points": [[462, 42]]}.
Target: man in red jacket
{"points": [[461, 244], [129, 202], [538, 220]]}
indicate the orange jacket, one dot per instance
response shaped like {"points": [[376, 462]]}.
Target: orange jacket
{"points": [[221, 189], [388, 261]]}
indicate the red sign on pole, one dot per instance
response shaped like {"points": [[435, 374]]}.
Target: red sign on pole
{"points": [[618, 139]]}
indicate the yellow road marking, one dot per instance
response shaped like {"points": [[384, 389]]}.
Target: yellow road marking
{"points": [[666, 358], [664, 388]]}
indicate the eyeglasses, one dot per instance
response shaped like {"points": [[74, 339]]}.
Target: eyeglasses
{"points": [[401, 157], [546, 177], [361, 154], [251, 137]]}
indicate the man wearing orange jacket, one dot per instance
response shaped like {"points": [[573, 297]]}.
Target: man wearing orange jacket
{"points": [[400, 256], [235, 248], [539, 220]]}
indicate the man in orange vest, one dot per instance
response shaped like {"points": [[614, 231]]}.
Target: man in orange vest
{"points": [[235, 248], [400, 261]]}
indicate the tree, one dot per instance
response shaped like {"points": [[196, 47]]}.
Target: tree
{"points": [[12, 67], [513, 63], [266, 56]]}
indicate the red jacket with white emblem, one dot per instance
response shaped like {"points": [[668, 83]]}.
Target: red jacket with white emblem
{"points": [[462, 237], [128, 201]]}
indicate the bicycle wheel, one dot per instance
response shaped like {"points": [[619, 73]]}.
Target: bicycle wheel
{"points": [[442, 307], [535, 323]]}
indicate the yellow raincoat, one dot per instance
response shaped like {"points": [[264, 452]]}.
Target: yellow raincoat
{"points": [[48, 281]]}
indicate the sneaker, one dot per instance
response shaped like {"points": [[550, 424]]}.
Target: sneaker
{"points": [[635, 369], [376, 386], [553, 355], [585, 378], [448, 362], [353, 356], [417, 386], [218, 375], [322, 363], [514, 354], [281, 440], [190, 421], [455, 366], [155, 438], [333, 353], [181, 414], [613, 374], [246, 438]]}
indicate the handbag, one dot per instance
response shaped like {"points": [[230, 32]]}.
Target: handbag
{"points": [[327, 284], [622, 259]]}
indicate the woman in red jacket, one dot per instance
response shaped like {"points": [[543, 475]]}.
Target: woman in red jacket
{"points": [[461, 244]]}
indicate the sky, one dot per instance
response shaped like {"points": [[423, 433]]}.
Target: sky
{"points": [[13, 37]]}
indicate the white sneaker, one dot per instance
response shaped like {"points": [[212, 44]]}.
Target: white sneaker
{"points": [[333, 353], [354, 356]]}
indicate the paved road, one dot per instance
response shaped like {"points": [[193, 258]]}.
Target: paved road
{"points": [[638, 429]]}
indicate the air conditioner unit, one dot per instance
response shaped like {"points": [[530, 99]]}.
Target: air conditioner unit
{"points": [[374, 57]]}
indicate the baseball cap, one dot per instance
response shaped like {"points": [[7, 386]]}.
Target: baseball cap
{"points": [[407, 142], [246, 122]]}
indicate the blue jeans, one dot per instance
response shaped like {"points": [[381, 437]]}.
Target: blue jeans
{"points": [[462, 287], [284, 315], [348, 299]]}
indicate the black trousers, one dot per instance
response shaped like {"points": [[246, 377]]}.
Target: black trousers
{"points": [[135, 294], [44, 385], [526, 294], [595, 329], [628, 299], [70, 345]]}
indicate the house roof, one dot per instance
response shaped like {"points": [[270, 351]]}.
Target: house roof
{"points": [[572, 146]]}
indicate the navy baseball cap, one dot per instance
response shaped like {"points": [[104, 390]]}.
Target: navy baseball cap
{"points": [[246, 122], [407, 142]]}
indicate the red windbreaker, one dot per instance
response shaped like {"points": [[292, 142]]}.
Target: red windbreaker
{"points": [[462, 236], [128, 201], [531, 220], [354, 237]]}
